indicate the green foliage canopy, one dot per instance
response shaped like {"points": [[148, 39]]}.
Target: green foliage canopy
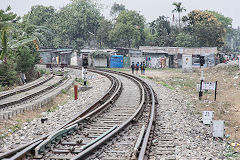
{"points": [[116, 9], [128, 30], [75, 24], [99, 54], [164, 34], [184, 40], [205, 28]]}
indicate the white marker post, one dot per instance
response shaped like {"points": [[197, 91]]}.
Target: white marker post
{"points": [[238, 61], [201, 82], [218, 128], [207, 117]]}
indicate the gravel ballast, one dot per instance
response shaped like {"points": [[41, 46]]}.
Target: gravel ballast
{"points": [[191, 138], [35, 129]]}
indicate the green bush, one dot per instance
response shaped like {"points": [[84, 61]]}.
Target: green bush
{"points": [[8, 73], [1, 88], [99, 54]]}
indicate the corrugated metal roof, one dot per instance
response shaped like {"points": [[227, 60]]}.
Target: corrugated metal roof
{"points": [[180, 50], [93, 50], [59, 50], [153, 51]]}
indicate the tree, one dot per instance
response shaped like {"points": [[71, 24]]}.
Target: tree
{"points": [[163, 33], [179, 9], [184, 40], [226, 21], [18, 40], [116, 9], [103, 31], [205, 28], [6, 20], [128, 30], [75, 24], [40, 15], [233, 40], [149, 37]]}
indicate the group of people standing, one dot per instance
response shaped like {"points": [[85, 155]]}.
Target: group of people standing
{"points": [[141, 66]]}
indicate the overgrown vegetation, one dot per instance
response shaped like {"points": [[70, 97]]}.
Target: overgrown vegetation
{"points": [[64, 91], [52, 109], [79, 80], [99, 54], [43, 71], [165, 85], [231, 153], [19, 43]]}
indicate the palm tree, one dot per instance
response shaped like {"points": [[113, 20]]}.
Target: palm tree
{"points": [[179, 9]]}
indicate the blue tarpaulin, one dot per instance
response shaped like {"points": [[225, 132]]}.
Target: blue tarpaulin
{"points": [[116, 61]]}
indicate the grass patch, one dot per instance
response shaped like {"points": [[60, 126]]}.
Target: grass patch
{"points": [[52, 109], [63, 91], [174, 70], [165, 84], [1, 88], [29, 120], [15, 127], [144, 77], [43, 71], [4, 135], [231, 153], [79, 80], [182, 83], [118, 69]]}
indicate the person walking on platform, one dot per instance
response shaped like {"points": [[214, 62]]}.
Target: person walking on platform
{"points": [[132, 66], [137, 67], [143, 68], [141, 65]]}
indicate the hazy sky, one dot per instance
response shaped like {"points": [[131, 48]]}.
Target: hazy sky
{"points": [[151, 9]]}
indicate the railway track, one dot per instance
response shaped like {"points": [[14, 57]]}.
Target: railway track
{"points": [[25, 88], [26, 94], [128, 142], [164, 146], [118, 126], [96, 104]]}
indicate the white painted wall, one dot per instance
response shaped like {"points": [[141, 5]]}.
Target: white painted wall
{"points": [[186, 63], [100, 62], [74, 59]]}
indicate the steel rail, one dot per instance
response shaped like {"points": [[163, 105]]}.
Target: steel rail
{"points": [[88, 151], [81, 114], [149, 128], [146, 91], [32, 95], [80, 121], [24, 89]]}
